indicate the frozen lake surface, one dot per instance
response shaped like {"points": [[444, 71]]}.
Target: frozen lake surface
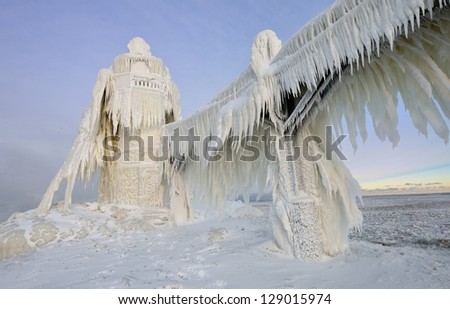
{"points": [[404, 243]]}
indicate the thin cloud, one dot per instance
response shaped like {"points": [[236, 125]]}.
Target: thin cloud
{"points": [[411, 184], [407, 190]]}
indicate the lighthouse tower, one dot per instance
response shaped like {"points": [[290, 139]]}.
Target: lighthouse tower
{"points": [[142, 98], [120, 134]]}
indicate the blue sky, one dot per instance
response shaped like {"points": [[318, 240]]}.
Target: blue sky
{"points": [[51, 52]]}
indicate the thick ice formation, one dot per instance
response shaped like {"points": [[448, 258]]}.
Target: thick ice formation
{"points": [[27, 231], [356, 57]]}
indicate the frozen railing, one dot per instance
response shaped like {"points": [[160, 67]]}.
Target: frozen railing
{"points": [[148, 81]]}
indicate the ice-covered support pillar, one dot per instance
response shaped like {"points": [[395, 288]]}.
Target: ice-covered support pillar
{"points": [[296, 220], [178, 191], [179, 199], [296, 214]]}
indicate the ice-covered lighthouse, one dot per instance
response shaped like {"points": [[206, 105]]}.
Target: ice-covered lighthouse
{"points": [[142, 100], [120, 133]]}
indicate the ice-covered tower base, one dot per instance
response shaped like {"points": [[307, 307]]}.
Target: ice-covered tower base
{"points": [[134, 179]]}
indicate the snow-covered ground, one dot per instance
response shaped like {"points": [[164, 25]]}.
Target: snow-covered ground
{"points": [[405, 243]]}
